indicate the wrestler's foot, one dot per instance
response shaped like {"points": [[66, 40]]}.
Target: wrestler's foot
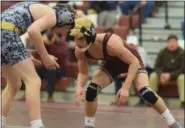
{"points": [[176, 125]]}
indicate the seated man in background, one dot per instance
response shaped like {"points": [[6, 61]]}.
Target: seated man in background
{"points": [[56, 46], [169, 66], [128, 6]]}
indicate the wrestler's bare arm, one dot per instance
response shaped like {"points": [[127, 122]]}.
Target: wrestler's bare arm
{"points": [[44, 23], [118, 49], [83, 68]]}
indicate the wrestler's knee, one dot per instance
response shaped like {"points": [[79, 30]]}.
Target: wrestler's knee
{"points": [[148, 95], [92, 91]]}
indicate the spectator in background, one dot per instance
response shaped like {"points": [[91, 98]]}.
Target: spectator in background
{"points": [[169, 66], [106, 11], [56, 46], [127, 7], [76, 5]]}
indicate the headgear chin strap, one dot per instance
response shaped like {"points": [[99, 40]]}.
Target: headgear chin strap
{"points": [[65, 15]]}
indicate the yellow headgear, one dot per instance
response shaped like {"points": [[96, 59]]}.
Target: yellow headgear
{"points": [[84, 28]]}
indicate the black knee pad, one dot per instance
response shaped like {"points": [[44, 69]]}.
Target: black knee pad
{"points": [[148, 95], [92, 91]]}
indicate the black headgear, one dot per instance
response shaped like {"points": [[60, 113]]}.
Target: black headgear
{"points": [[65, 15]]}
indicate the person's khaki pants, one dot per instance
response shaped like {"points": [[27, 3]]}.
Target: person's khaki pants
{"points": [[153, 80]]}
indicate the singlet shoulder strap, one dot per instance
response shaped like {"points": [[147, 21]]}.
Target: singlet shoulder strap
{"points": [[105, 40]]}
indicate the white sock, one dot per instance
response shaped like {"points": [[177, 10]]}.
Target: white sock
{"points": [[90, 121], [36, 123], [168, 117], [3, 121]]}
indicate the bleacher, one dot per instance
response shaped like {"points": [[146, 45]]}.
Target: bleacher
{"points": [[154, 34]]}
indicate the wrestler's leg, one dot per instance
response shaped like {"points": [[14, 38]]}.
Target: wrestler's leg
{"points": [[8, 94], [13, 52], [99, 81], [142, 85], [26, 70]]}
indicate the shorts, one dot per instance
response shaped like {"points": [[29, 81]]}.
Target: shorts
{"points": [[113, 68], [12, 48]]}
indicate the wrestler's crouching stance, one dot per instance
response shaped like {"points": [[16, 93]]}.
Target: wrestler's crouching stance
{"points": [[17, 65], [117, 58]]}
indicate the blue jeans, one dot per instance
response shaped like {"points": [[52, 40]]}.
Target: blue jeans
{"points": [[127, 6], [50, 76], [118, 84]]}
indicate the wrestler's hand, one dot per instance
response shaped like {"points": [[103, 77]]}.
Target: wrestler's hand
{"points": [[78, 95], [166, 77], [122, 95], [49, 62]]}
